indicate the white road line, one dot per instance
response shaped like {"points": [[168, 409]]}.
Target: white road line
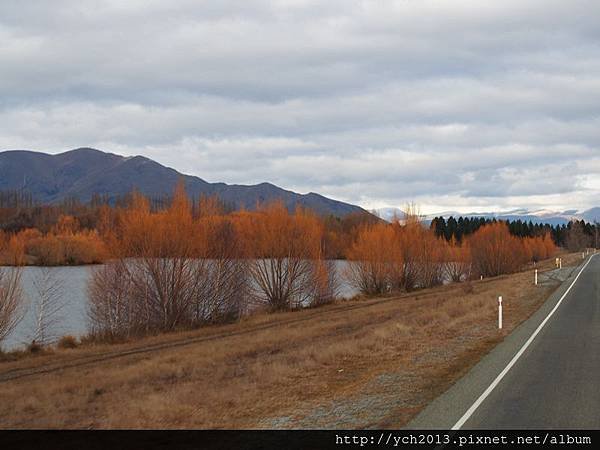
{"points": [[512, 362]]}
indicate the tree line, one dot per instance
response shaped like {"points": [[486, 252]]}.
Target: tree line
{"points": [[69, 232], [172, 270], [193, 261], [403, 256], [73, 233], [574, 236], [175, 269]]}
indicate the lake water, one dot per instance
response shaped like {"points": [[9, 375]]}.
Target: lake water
{"points": [[73, 315]]}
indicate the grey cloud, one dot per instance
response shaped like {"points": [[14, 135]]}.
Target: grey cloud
{"points": [[451, 104]]}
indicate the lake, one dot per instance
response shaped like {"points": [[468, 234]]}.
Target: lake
{"points": [[73, 315]]}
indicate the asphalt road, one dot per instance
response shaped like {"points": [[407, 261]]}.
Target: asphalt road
{"points": [[555, 381]]}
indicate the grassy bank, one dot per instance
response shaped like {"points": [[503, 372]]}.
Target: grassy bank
{"points": [[361, 363]]}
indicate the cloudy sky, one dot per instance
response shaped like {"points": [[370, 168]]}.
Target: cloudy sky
{"points": [[465, 105]]}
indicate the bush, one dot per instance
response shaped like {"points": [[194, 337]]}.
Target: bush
{"points": [[34, 347], [15, 251], [47, 250], [326, 283], [376, 263], [387, 258], [284, 252], [467, 287], [495, 251], [458, 262], [424, 257], [84, 247], [67, 342], [171, 271]]}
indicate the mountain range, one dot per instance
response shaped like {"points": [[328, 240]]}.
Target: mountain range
{"points": [[535, 216], [83, 172]]}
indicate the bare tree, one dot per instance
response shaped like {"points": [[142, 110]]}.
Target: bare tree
{"points": [[49, 303], [11, 300], [376, 263], [326, 282], [142, 295], [222, 275], [222, 283], [111, 311], [283, 251], [458, 264], [283, 282], [577, 239], [171, 271]]}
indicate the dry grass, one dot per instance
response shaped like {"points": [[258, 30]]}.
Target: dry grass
{"points": [[262, 372]]}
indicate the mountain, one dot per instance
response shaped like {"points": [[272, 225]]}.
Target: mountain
{"points": [[389, 214], [83, 172], [535, 216], [591, 215]]}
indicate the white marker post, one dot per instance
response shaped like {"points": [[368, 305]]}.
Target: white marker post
{"points": [[500, 312], [560, 263], [536, 277]]}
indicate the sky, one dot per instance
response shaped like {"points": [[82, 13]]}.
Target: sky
{"points": [[455, 105]]}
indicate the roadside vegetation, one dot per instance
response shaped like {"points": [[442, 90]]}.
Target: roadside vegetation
{"points": [[185, 264], [354, 364], [176, 338], [176, 269]]}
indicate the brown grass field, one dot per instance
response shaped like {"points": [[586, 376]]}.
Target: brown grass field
{"points": [[354, 364]]}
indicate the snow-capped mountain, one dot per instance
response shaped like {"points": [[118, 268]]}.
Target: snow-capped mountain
{"points": [[535, 216], [388, 214]]}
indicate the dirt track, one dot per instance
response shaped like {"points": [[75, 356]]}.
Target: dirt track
{"points": [[18, 373], [75, 362]]}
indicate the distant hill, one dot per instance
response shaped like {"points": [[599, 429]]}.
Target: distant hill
{"points": [[535, 216], [83, 172]]}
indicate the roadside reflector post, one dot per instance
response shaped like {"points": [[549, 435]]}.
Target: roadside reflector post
{"points": [[536, 277], [560, 263], [500, 312]]}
